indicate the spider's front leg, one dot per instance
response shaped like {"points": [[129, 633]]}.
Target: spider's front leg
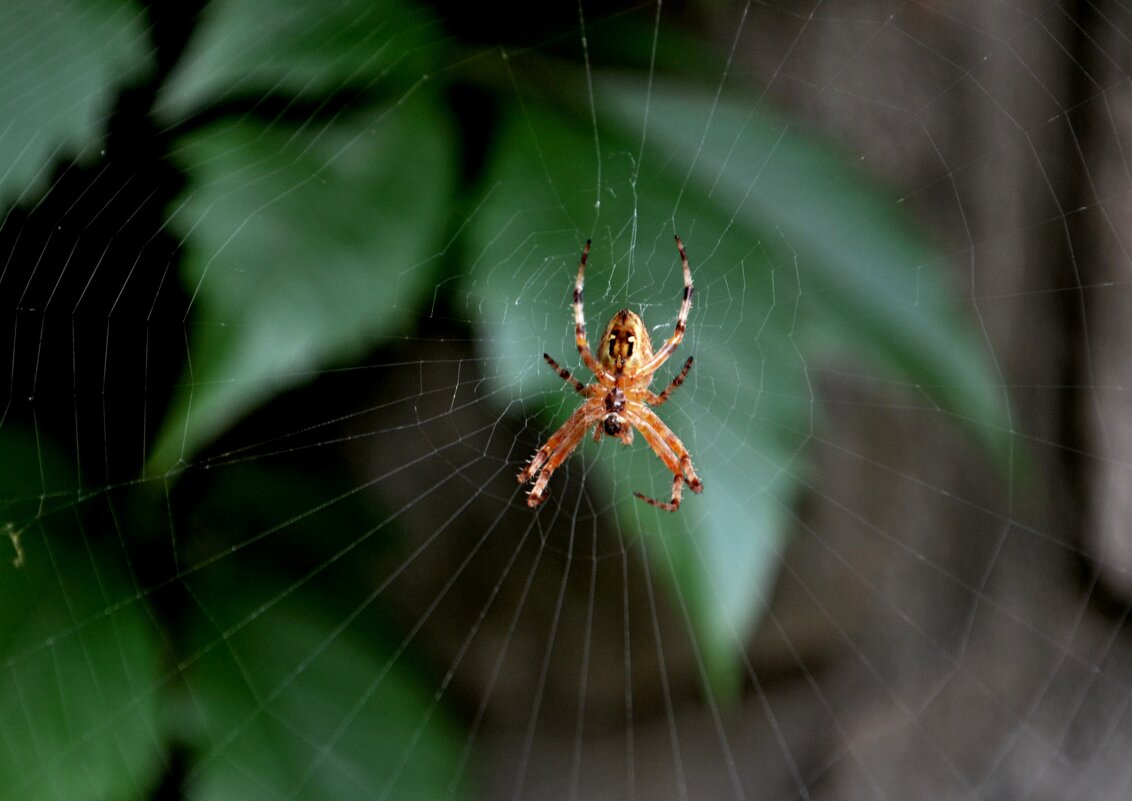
{"points": [[685, 466], [671, 451], [560, 445]]}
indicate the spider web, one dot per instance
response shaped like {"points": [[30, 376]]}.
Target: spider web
{"points": [[276, 289]]}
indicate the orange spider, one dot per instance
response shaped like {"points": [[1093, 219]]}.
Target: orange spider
{"points": [[618, 401]]}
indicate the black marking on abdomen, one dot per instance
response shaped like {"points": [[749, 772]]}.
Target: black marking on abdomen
{"points": [[614, 342]]}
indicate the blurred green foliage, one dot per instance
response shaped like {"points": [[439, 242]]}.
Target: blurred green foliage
{"points": [[275, 299], [63, 63], [81, 651], [324, 709], [324, 179]]}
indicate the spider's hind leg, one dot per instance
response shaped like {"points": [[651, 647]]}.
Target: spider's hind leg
{"points": [[564, 374], [657, 400]]}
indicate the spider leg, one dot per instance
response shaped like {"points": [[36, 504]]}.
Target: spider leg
{"points": [[565, 374], [661, 356], [677, 447], [587, 355], [670, 506], [670, 450], [656, 400], [671, 462], [543, 453], [560, 445]]}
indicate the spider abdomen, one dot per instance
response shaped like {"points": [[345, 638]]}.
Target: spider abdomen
{"points": [[625, 343]]}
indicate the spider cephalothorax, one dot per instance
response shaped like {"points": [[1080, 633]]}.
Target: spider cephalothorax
{"points": [[614, 407], [619, 398]]}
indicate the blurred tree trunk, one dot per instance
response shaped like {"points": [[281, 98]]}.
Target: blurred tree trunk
{"points": [[1104, 228], [978, 641]]}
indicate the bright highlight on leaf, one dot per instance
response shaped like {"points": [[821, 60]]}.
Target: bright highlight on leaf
{"points": [[61, 64]]}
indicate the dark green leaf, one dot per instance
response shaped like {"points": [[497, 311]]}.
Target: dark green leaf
{"points": [[302, 246], [80, 659], [60, 66], [288, 701], [243, 49], [34, 478]]}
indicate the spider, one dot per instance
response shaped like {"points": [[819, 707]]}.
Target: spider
{"points": [[619, 399]]}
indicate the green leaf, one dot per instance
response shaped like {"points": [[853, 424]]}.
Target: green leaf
{"points": [[61, 64], [80, 659], [871, 279], [309, 50], [303, 246], [288, 700], [790, 251], [34, 478]]}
